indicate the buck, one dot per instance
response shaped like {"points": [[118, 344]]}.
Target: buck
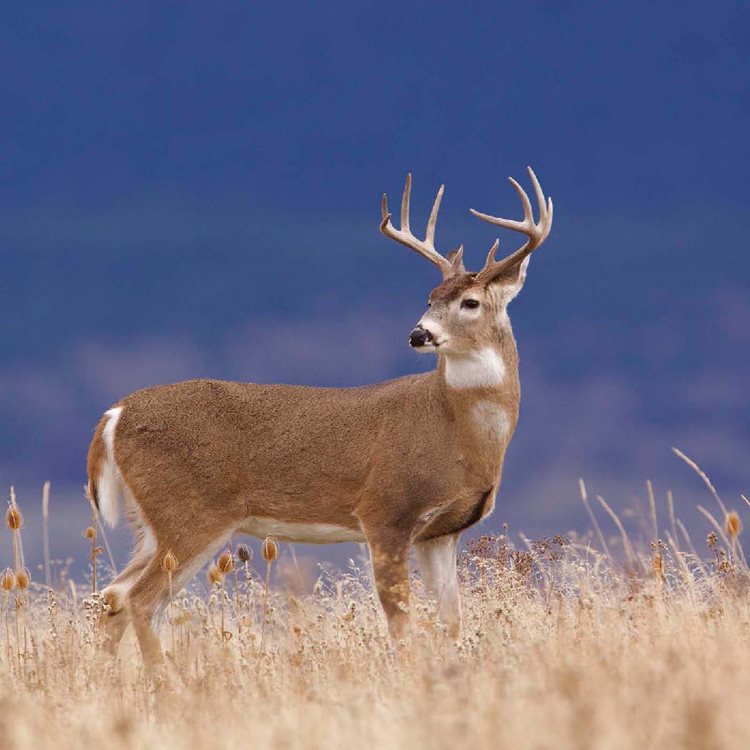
{"points": [[411, 462]]}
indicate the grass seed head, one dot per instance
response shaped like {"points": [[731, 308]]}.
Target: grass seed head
{"points": [[244, 553], [657, 565], [8, 580], [169, 563], [23, 577], [13, 517], [269, 549], [733, 524], [215, 575], [226, 562]]}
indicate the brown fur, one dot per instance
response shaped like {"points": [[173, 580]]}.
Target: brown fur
{"points": [[307, 455]]}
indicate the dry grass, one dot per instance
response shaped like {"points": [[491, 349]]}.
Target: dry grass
{"points": [[564, 646]]}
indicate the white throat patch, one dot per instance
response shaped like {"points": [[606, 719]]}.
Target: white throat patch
{"points": [[480, 369]]}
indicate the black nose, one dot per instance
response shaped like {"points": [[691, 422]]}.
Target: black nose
{"points": [[419, 337]]}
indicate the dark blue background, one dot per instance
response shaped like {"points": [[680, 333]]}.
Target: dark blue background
{"points": [[190, 190]]}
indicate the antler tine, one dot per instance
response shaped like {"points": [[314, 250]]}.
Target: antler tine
{"points": [[405, 201], [528, 214], [432, 221], [539, 193], [550, 212], [545, 208], [491, 254], [425, 247], [456, 258], [536, 232]]}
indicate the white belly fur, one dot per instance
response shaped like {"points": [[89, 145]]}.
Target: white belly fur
{"points": [[308, 533]]}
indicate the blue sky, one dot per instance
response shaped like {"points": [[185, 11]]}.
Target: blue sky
{"points": [[194, 191]]}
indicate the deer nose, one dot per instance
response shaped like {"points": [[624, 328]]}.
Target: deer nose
{"points": [[419, 337]]}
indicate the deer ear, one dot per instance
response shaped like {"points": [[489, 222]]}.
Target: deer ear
{"points": [[510, 282]]}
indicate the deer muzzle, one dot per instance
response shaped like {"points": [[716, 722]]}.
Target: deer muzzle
{"points": [[419, 337]]}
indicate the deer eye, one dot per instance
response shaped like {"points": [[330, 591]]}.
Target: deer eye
{"points": [[470, 303]]}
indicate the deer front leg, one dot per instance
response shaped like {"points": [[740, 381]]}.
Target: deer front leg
{"points": [[437, 559], [389, 552]]}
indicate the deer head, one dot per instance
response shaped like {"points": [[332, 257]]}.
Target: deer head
{"points": [[467, 307]]}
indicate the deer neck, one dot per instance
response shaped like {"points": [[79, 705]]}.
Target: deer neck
{"points": [[482, 392], [482, 370], [490, 370]]}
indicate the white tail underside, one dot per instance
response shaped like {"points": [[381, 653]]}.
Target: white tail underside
{"points": [[109, 482]]}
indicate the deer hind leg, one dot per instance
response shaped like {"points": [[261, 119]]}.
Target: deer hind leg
{"points": [[150, 592], [436, 559], [115, 619]]}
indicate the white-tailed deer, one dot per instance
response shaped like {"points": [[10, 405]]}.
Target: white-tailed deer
{"points": [[412, 461]]}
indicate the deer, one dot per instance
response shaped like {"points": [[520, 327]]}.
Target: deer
{"points": [[406, 463]]}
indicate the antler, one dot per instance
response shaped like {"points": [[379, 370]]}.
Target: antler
{"points": [[537, 233], [425, 247]]}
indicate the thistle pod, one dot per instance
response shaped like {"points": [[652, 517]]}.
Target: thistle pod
{"points": [[733, 524], [215, 575], [269, 550], [90, 533], [8, 580], [13, 517], [657, 565], [169, 563], [226, 562], [23, 578], [244, 553]]}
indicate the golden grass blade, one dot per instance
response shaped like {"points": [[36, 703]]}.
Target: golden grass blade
{"points": [[45, 534], [697, 469], [592, 517]]}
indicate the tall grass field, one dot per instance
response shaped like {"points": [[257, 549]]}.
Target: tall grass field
{"points": [[599, 640]]}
